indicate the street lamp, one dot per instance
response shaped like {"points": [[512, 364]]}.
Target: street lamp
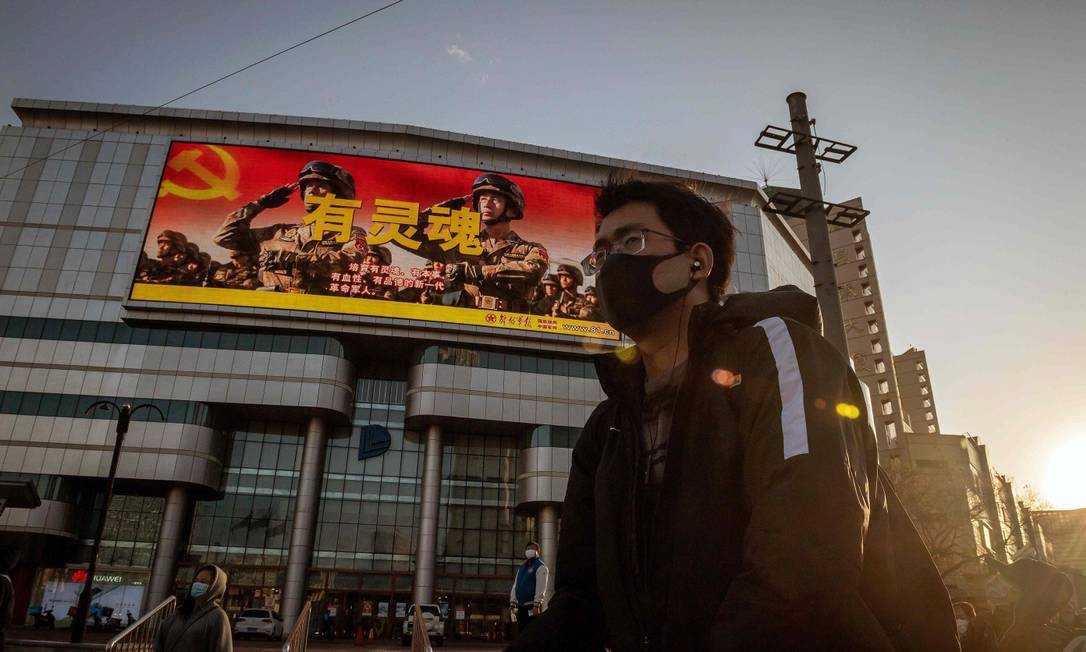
{"points": [[124, 416]]}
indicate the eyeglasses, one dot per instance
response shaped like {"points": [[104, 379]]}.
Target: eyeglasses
{"points": [[630, 242]]}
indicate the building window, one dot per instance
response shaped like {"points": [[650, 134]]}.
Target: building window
{"points": [[931, 428], [860, 253], [922, 378], [884, 387], [872, 327], [887, 407], [863, 271], [890, 428], [924, 391], [880, 367], [866, 289], [930, 416], [869, 307], [857, 235], [927, 402], [920, 366], [876, 346]]}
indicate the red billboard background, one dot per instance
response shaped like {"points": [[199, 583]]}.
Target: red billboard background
{"points": [[203, 183]]}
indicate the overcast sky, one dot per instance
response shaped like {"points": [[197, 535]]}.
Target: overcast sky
{"points": [[967, 116]]}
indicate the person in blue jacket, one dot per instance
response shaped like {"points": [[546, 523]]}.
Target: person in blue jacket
{"points": [[529, 588]]}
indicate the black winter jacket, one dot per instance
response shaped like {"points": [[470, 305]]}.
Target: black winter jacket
{"points": [[777, 529]]}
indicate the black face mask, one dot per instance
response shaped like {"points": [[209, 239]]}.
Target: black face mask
{"points": [[626, 292]]}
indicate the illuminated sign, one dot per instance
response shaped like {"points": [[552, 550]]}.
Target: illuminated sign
{"points": [[298, 230]]}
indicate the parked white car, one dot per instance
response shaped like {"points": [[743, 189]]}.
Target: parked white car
{"points": [[259, 622], [435, 624]]}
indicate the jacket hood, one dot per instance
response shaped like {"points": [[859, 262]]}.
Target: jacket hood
{"points": [[625, 375], [748, 308], [217, 589]]}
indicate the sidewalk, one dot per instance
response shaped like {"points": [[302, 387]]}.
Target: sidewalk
{"points": [[377, 646], [101, 638]]}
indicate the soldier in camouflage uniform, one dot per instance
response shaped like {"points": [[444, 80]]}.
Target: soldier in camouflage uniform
{"points": [[194, 267], [240, 273], [172, 252], [381, 257], [502, 277], [545, 304], [570, 302], [291, 257], [591, 310]]}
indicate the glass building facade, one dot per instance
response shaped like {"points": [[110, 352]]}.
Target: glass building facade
{"points": [[427, 454]]}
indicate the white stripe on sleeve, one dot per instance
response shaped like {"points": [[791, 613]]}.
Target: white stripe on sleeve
{"points": [[793, 416]]}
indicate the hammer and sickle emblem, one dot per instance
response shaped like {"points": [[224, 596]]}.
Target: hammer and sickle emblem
{"points": [[225, 186]]}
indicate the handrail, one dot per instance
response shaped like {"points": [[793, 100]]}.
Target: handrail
{"points": [[420, 638], [298, 639], [141, 635]]}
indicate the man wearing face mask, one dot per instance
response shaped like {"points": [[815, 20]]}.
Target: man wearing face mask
{"points": [[529, 588], [726, 495]]}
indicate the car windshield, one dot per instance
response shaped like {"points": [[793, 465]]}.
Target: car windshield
{"points": [[426, 609], [254, 613]]}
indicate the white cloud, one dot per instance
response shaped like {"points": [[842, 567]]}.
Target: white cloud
{"points": [[459, 53]]}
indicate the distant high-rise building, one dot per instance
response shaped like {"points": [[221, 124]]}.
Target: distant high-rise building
{"points": [[865, 322], [914, 388], [958, 504]]}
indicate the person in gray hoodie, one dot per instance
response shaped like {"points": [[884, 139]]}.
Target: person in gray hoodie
{"points": [[200, 624]]}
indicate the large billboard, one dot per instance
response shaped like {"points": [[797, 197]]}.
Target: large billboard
{"points": [[299, 230]]}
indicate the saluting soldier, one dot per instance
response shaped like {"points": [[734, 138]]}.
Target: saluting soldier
{"points": [[291, 256], [503, 275], [570, 303]]}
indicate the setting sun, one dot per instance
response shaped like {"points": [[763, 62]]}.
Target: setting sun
{"points": [[1064, 481]]}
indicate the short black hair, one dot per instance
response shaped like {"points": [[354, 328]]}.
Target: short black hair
{"points": [[688, 215]]}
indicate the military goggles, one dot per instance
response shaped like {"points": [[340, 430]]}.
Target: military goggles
{"points": [[628, 242], [320, 167]]}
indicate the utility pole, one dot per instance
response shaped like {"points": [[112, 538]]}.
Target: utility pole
{"points": [[124, 416], [810, 205]]}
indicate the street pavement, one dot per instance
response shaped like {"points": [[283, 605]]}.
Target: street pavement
{"points": [[100, 638], [378, 646]]}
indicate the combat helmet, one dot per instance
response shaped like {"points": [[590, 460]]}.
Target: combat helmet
{"points": [[382, 253], [339, 178], [180, 242], [572, 271], [496, 183]]}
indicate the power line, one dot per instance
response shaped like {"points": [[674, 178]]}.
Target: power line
{"points": [[207, 85]]}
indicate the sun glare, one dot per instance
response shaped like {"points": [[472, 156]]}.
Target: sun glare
{"points": [[1065, 476]]}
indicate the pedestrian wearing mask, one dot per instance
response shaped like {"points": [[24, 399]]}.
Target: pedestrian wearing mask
{"points": [[530, 587], [726, 495], [974, 631], [199, 624]]}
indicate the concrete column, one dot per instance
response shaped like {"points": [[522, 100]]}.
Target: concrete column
{"points": [[426, 551], [175, 521], [547, 527], [304, 525]]}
